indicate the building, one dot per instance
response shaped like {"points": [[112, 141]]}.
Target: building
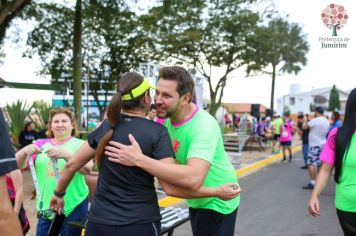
{"points": [[298, 101], [243, 108]]}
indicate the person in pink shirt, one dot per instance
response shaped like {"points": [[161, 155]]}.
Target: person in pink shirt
{"points": [[339, 152], [285, 138]]}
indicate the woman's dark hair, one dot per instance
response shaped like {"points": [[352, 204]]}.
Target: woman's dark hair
{"points": [[345, 133], [125, 84], [27, 124]]}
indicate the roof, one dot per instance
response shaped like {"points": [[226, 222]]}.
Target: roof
{"points": [[318, 91], [241, 107]]}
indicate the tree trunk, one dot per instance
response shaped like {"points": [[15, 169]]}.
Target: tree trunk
{"points": [[213, 108], [77, 62], [272, 89]]}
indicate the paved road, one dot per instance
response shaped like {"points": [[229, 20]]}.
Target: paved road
{"points": [[274, 204]]}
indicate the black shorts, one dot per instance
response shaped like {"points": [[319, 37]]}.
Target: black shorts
{"points": [[286, 143], [276, 137], [209, 222], [347, 221], [149, 229]]}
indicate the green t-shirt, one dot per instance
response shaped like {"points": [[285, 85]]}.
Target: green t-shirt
{"points": [[200, 137], [77, 190], [277, 125], [345, 194]]}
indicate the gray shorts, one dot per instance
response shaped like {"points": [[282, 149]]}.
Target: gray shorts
{"points": [[313, 155]]}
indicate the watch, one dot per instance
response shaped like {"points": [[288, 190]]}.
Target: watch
{"points": [[59, 194]]}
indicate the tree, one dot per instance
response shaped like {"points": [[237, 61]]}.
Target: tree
{"points": [[312, 107], [203, 35], [77, 62], [113, 42], [16, 114], [286, 111], [278, 47], [8, 11], [334, 101]]}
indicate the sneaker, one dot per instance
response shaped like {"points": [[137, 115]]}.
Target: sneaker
{"points": [[304, 167], [284, 161], [309, 186]]}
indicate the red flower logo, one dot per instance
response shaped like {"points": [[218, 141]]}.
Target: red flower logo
{"points": [[175, 144]]}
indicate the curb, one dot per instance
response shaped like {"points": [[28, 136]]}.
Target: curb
{"points": [[169, 201]]}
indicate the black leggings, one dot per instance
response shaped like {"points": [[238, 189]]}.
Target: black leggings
{"points": [[146, 229], [207, 222], [347, 221]]}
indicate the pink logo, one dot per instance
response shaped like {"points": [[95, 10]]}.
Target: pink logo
{"points": [[334, 17]]}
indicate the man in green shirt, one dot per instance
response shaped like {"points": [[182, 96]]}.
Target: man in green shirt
{"points": [[276, 125], [204, 169]]}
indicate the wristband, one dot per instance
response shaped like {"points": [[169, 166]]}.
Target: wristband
{"points": [[59, 194]]}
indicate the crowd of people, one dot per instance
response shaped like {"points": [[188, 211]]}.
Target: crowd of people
{"points": [[172, 140]]}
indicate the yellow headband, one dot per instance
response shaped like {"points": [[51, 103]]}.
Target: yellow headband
{"points": [[138, 91]]}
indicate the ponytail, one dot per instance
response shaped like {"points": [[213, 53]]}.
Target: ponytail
{"points": [[113, 114], [124, 86]]}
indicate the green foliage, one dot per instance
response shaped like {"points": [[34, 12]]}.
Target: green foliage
{"points": [[286, 111], [203, 35], [226, 129], [278, 47], [113, 42], [334, 100], [40, 114], [16, 115], [312, 107], [8, 11]]}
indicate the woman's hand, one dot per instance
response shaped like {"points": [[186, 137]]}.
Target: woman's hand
{"points": [[228, 191], [58, 153], [30, 149], [313, 206]]}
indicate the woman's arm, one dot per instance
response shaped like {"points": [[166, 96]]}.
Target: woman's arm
{"points": [[80, 158], [78, 161], [22, 154], [322, 180], [16, 177], [60, 153]]}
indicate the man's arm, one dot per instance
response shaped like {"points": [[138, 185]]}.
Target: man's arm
{"points": [[189, 176], [224, 192]]}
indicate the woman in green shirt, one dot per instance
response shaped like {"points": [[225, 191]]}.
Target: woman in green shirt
{"points": [[340, 152]]}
